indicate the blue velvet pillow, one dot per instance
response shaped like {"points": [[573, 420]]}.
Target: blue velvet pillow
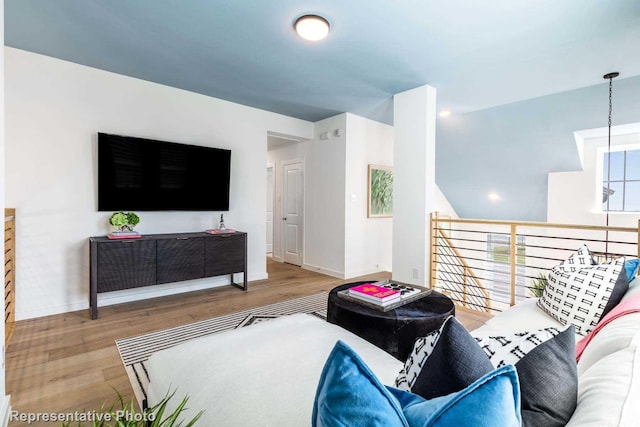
{"points": [[349, 394], [491, 401], [631, 268]]}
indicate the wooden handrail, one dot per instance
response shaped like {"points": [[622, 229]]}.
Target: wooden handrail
{"points": [[540, 224], [445, 229]]}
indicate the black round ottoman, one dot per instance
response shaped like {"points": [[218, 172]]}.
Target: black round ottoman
{"points": [[394, 331]]}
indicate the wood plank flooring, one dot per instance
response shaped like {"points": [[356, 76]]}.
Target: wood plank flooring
{"points": [[67, 362]]}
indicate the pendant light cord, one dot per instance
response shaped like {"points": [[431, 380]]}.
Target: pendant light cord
{"points": [[609, 76]]}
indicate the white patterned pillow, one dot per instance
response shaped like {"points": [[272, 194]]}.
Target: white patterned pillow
{"points": [[510, 349], [580, 259], [580, 293]]}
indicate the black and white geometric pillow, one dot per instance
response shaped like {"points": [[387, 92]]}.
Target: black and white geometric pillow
{"points": [[422, 349], [443, 362], [546, 365], [581, 296], [510, 349], [578, 260]]}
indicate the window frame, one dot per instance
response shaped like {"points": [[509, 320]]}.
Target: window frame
{"points": [[602, 180], [496, 261]]}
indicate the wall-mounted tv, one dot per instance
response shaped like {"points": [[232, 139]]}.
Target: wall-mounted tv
{"points": [[136, 174]]}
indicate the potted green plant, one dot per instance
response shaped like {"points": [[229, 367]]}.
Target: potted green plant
{"points": [[538, 284], [121, 414], [124, 221]]}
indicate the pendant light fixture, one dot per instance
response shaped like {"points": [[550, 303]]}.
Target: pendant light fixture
{"points": [[609, 192]]}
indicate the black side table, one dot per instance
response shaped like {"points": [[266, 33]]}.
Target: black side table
{"points": [[394, 331]]}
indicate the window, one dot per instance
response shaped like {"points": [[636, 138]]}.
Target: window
{"points": [[621, 186], [499, 267]]}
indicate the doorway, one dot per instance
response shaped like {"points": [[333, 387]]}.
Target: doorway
{"points": [[292, 211]]}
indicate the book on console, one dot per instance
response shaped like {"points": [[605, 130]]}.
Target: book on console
{"points": [[124, 236], [377, 294], [219, 231]]}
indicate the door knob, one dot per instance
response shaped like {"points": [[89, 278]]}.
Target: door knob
{"points": [[284, 219]]}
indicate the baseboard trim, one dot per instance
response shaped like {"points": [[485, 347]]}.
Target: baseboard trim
{"points": [[322, 270], [363, 273], [137, 294]]}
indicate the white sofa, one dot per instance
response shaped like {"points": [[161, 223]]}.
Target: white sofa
{"points": [[608, 371], [266, 374]]}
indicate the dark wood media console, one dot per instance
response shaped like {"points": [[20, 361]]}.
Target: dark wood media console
{"points": [[163, 258]]}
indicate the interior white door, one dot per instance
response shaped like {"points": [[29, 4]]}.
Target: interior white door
{"points": [[292, 212], [269, 209]]}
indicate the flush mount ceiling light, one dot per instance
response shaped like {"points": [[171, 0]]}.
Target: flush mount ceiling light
{"points": [[445, 113], [494, 197], [312, 27]]}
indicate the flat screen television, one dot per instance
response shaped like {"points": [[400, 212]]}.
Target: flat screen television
{"points": [[136, 174]]}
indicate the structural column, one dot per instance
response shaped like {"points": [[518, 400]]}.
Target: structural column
{"points": [[414, 152]]}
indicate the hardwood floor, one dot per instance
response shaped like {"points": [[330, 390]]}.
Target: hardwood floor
{"points": [[67, 362]]}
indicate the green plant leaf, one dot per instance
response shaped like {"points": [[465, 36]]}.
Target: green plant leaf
{"points": [[538, 285], [139, 419], [119, 219], [133, 219]]}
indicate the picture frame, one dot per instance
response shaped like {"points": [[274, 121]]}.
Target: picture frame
{"points": [[379, 191]]}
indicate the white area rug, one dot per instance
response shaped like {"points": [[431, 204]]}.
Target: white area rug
{"points": [[135, 351]]}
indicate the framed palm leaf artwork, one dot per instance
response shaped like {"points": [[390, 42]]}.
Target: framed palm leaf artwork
{"points": [[380, 194]]}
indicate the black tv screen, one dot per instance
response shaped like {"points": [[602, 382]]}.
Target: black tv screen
{"points": [[136, 174]]}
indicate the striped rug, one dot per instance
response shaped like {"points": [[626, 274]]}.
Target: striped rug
{"points": [[135, 351]]}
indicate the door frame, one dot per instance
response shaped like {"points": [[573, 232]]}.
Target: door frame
{"points": [[280, 199], [272, 166]]}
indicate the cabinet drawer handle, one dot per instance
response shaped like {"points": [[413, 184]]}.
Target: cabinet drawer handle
{"points": [[182, 238], [128, 241]]}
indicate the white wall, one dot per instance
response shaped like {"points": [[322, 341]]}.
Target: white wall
{"points": [[54, 110], [575, 197], [324, 183], [413, 182], [339, 238], [367, 241], [324, 199], [4, 407]]}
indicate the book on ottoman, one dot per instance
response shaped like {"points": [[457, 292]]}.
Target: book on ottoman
{"points": [[374, 293]]}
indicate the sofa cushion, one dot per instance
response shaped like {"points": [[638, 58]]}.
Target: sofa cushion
{"points": [[634, 289], [444, 361], [545, 361], [349, 394], [265, 374], [580, 293], [617, 335], [524, 316], [608, 392]]}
